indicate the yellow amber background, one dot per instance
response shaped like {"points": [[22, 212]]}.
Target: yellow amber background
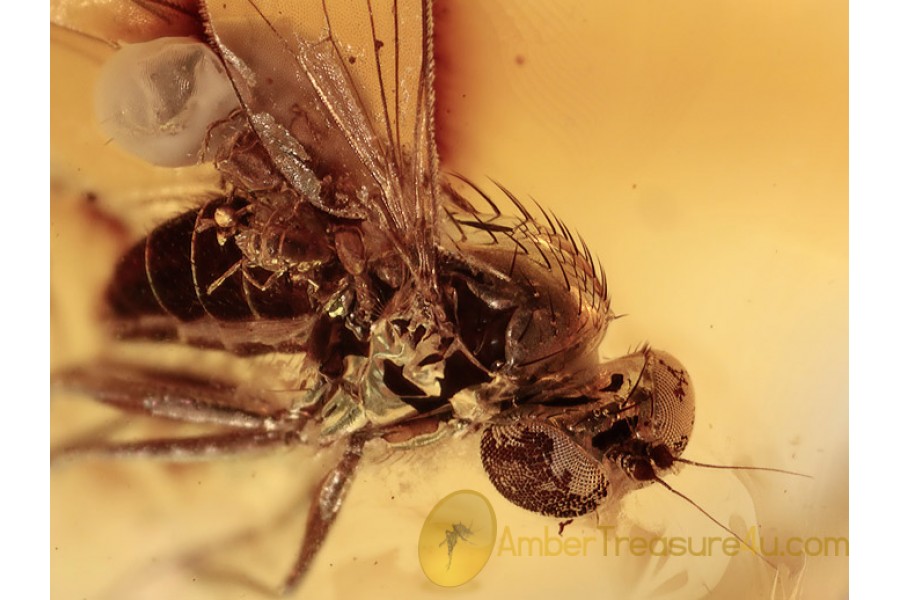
{"points": [[701, 149]]}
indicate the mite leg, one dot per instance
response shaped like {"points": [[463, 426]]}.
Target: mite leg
{"points": [[324, 510], [264, 286]]}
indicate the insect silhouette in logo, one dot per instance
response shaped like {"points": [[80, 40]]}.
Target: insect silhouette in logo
{"points": [[419, 309], [457, 532]]}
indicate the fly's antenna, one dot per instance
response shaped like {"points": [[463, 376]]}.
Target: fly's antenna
{"points": [[681, 495], [741, 468], [709, 516]]}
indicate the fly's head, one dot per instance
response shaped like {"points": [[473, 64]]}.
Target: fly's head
{"points": [[563, 457]]}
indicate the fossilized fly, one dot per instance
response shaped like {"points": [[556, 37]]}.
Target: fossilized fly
{"points": [[417, 308]]}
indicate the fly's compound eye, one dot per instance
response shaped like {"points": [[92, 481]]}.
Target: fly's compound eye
{"points": [[538, 467], [668, 418]]}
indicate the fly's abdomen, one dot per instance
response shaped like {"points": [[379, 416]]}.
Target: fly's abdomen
{"points": [[191, 267], [154, 277]]}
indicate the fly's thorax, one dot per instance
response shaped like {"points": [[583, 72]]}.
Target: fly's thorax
{"points": [[527, 301], [560, 320]]}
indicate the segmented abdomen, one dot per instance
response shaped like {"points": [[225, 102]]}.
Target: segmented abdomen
{"points": [[180, 269]]}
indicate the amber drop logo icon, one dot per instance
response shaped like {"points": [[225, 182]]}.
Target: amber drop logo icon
{"points": [[457, 538]]}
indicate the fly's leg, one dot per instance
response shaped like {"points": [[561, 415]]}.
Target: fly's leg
{"points": [[193, 449], [173, 396], [323, 511], [166, 394]]}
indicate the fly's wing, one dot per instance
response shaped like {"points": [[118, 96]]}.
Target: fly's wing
{"points": [[351, 84]]}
